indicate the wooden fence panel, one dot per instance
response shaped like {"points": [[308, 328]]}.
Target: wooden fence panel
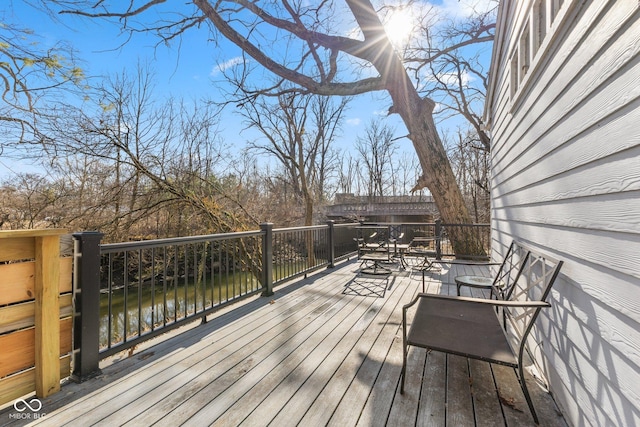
{"points": [[17, 280], [19, 348], [22, 315], [35, 313], [24, 382]]}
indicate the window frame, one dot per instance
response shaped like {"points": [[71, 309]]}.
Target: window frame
{"points": [[533, 41]]}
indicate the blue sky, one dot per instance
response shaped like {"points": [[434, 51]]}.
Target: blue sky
{"points": [[188, 70]]}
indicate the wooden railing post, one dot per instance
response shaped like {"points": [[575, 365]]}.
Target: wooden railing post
{"points": [[47, 314], [267, 259], [331, 244], [86, 313]]}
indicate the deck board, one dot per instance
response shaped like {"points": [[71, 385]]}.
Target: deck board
{"points": [[359, 368], [324, 350], [486, 406], [458, 392], [433, 405]]}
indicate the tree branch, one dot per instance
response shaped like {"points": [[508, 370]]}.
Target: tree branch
{"points": [[308, 83]]}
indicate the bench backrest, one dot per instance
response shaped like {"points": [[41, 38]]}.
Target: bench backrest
{"points": [[532, 283], [509, 269]]}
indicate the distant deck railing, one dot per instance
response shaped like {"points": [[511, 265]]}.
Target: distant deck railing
{"points": [[133, 291], [360, 209], [437, 233]]}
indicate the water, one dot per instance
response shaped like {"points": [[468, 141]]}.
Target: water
{"points": [[149, 307], [183, 299]]}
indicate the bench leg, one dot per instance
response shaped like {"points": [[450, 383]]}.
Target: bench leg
{"points": [[403, 372], [525, 391]]}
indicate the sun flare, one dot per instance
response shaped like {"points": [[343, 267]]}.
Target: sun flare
{"points": [[399, 25]]}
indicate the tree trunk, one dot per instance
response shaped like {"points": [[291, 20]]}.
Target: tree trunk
{"points": [[439, 178], [308, 215], [417, 115]]}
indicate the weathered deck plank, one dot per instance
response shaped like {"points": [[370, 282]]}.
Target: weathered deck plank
{"points": [[486, 406], [228, 380], [459, 399], [316, 353], [433, 403], [359, 368], [284, 377]]}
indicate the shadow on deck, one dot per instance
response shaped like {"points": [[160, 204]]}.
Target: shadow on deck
{"points": [[326, 350]]}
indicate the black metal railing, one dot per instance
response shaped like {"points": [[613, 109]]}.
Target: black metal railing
{"points": [[435, 237], [343, 243], [299, 250], [477, 240], [149, 285], [142, 289]]}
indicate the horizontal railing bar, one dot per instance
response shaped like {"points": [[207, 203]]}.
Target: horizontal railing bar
{"points": [[144, 244], [473, 224], [478, 225], [347, 225], [305, 228]]}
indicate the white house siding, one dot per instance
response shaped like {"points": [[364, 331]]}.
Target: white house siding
{"points": [[566, 179]]}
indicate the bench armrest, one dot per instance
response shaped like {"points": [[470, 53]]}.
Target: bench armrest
{"points": [[470, 262], [499, 303]]}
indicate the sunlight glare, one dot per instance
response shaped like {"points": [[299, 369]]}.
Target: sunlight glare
{"points": [[399, 25]]}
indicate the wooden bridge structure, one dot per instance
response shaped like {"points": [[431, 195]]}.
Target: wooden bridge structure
{"points": [[385, 209]]}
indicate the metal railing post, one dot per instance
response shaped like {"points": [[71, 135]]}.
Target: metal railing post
{"points": [[438, 238], [86, 306], [267, 259], [332, 244]]}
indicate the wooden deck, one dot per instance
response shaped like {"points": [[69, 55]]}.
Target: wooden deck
{"points": [[322, 351]]}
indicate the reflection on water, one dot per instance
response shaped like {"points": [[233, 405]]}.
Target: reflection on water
{"points": [[156, 304]]}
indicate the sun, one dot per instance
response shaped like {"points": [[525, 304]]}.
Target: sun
{"points": [[399, 25]]}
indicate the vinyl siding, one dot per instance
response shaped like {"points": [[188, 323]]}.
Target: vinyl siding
{"points": [[566, 179]]}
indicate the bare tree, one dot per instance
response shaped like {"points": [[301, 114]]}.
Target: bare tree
{"points": [[328, 117], [348, 179], [457, 96], [300, 44], [298, 130], [29, 201], [157, 153], [470, 162], [29, 72], [450, 73], [406, 171], [377, 150]]}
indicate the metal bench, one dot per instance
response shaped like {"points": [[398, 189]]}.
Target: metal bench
{"points": [[492, 330]]}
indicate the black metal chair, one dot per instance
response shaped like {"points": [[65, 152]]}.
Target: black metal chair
{"points": [[475, 328]]}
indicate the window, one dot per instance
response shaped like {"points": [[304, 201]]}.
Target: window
{"points": [[555, 8], [514, 75], [520, 60], [541, 22], [524, 53]]}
